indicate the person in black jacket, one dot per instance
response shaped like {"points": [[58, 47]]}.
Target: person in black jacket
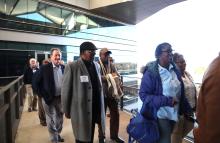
{"points": [[28, 76], [41, 112], [48, 84]]}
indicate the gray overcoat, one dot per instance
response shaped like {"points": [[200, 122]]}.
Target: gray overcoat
{"points": [[76, 98]]}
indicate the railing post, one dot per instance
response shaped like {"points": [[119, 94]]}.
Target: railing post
{"points": [[122, 98], [22, 92], [9, 137], [17, 100]]}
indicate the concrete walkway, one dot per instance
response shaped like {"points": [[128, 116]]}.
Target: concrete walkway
{"points": [[30, 130]]}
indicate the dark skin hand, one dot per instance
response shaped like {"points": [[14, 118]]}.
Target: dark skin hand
{"points": [[174, 102], [67, 116]]}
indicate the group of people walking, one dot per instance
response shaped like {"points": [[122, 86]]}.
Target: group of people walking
{"points": [[82, 91]]}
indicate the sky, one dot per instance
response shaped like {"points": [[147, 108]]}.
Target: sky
{"points": [[192, 28]]}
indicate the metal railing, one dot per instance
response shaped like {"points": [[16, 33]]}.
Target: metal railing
{"points": [[11, 105], [12, 101], [129, 88], [132, 88]]}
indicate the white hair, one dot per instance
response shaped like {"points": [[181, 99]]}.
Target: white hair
{"points": [[32, 59]]}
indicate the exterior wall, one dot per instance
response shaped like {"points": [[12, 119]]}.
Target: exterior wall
{"points": [[36, 38]]}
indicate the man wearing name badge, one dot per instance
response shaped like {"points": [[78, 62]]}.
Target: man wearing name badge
{"points": [[82, 95]]}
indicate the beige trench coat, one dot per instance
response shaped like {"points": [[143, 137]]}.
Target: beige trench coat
{"points": [[77, 99]]}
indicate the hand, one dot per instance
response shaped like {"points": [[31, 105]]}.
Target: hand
{"points": [[175, 101], [114, 74], [104, 78], [67, 116]]}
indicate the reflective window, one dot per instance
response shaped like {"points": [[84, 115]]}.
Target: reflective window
{"points": [[45, 18], [14, 56], [35, 16]]}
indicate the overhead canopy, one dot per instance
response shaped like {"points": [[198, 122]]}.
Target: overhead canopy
{"points": [[135, 11], [128, 12]]}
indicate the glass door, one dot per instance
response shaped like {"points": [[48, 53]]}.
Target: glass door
{"points": [[40, 56]]}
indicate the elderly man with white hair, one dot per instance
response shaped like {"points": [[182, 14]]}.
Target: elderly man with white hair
{"points": [[28, 75]]}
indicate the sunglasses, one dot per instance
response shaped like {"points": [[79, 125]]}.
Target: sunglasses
{"points": [[91, 51]]}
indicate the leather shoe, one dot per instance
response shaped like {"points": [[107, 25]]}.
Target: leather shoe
{"points": [[60, 139], [102, 140], [118, 140], [43, 124], [34, 109], [29, 109]]}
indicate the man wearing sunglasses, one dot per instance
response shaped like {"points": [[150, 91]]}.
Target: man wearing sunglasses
{"points": [[82, 95]]}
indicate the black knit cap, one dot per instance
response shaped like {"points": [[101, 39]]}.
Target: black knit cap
{"points": [[160, 48], [87, 46]]}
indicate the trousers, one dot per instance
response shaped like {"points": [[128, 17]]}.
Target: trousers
{"points": [[112, 104], [32, 97], [54, 118], [41, 112], [181, 129]]}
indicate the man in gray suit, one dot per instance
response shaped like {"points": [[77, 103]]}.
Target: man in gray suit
{"points": [[82, 95]]}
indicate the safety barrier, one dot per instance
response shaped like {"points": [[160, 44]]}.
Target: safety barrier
{"points": [[11, 105]]}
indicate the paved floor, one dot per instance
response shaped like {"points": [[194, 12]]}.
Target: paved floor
{"points": [[30, 130]]}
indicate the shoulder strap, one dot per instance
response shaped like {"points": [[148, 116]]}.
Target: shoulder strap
{"points": [[103, 68]]}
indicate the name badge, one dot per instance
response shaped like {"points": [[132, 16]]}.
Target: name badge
{"points": [[84, 78]]}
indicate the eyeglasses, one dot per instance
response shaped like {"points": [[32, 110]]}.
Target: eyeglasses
{"points": [[180, 62], [168, 51]]}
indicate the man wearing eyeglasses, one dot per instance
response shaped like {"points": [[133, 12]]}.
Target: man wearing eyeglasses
{"points": [[82, 95]]}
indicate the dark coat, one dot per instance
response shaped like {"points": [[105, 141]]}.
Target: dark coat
{"points": [[28, 75], [44, 83]]}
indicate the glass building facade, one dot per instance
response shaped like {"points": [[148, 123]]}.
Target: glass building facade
{"points": [[59, 20]]}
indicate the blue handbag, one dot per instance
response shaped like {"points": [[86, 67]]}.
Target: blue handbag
{"points": [[142, 130]]}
